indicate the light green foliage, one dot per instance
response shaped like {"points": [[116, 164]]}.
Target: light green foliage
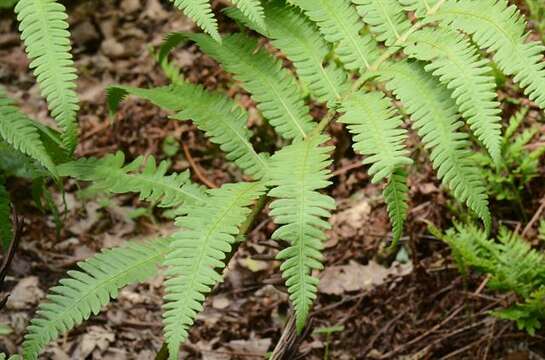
{"points": [[459, 66], [297, 173], [44, 30], [6, 230], [339, 23], [197, 253], [420, 7], [86, 290], [21, 133], [513, 266], [385, 17], [495, 26], [434, 116], [222, 120], [143, 176], [272, 87], [253, 9], [519, 166], [396, 196]]}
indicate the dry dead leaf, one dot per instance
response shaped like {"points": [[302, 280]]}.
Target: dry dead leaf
{"points": [[95, 338], [26, 293]]}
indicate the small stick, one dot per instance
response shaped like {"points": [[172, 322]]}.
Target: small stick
{"points": [[196, 168], [534, 218]]}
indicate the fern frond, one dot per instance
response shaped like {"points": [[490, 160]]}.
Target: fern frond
{"points": [[420, 7], [396, 198], [385, 17], [298, 171], [142, 176], [44, 31], [377, 133], [253, 9], [500, 28], [6, 229], [219, 117], [435, 118], [458, 65], [339, 23], [200, 11], [292, 33], [86, 290], [272, 87], [198, 252], [20, 132]]}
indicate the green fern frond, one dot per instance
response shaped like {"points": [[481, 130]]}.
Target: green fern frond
{"points": [[200, 11], [253, 9], [435, 118], [500, 28], [20, 132], [88, 289], [396, 198], [458, 65], [272, 87], [198, 252], [298, 171], [385, 17], [142, 176], [6, 229], [420, 7], [217, 115], [339, 23], [292, 33], [44, 30], [377, 133]]}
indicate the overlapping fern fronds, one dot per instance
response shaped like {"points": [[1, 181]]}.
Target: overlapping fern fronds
{"points": [[197, 253], [44, 30], [86, 290]]}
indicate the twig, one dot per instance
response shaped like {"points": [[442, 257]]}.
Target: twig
{"points": [[196, 168], [288, 345], [534, 218]]}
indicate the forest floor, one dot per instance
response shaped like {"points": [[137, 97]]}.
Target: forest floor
{"points": [[416, 306]]}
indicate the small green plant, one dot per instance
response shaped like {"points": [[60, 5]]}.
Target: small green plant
{"points": [[511, 263], [518, 165]]}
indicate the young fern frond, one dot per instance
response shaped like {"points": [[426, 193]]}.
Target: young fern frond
{"points": [[86, 290], [20, 132], [272, 87], [198, 252], [6, 229], [142, 176], [44, 30], [495, 26], [396, 196], [298, 171], [458, 65], [219, 117], [301, 42], [376, 132], [339, 23], [200, 11], [253, 9], [386, 18], [433, 112]]}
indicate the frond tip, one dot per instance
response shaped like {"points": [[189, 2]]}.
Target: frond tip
{"points": [[297, 173]]}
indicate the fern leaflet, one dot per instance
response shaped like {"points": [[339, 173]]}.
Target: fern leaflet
{"points": [[218, 116], [44, 31], [298, 171], [197, 252], [88, 289], [253, 9], [396, 198], [201, 12], [385, 17]]}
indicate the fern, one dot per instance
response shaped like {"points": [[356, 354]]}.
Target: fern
{"points": [[297, 173], [299, 40], [6, 230], [435, 118], [253, 9], [142, 176], [339, 23], [377, 133], [197, 251], [500, 28], [420, 7], [396, 196], [87, 290], [457, 64], [220, 118], [44, 31], [385, 17], [22, 134], [271, 86]]}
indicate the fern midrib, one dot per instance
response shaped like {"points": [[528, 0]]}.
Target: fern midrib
{"points": [[388, 19], [345, 31], [301, 227], [102, 284]]}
